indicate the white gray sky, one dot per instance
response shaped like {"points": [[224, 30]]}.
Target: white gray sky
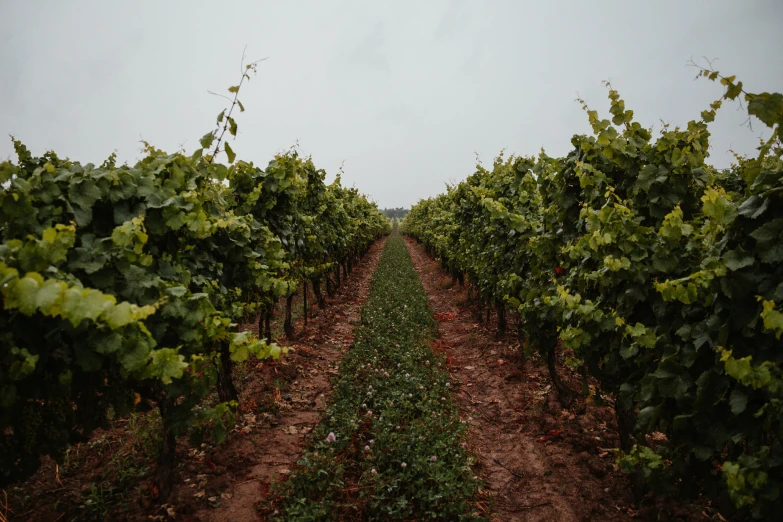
{"points": [[405, 93]]}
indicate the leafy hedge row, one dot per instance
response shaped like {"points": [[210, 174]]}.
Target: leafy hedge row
{"points": [[123, 284], [391, 446], [662, 273]]}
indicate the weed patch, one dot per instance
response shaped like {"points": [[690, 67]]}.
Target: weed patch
{"points": [[391, 445]]}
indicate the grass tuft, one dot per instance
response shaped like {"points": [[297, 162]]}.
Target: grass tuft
{"points": [[391, 445]]}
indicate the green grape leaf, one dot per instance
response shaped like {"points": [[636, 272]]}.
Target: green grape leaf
{"points": [[767, 107], [230, 153], [737, 259], [207, 139], [166, 364], [738, 401]]}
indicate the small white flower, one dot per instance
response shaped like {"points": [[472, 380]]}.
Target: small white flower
{"points": [[331, 437], [433, 458], [410, 395], [373, 471], [364, 405], [369, 412], [448, 384], [404, 465], [372, 441], [367, 448]]}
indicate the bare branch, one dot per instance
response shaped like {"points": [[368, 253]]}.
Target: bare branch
{"points": [[249, 67], [221, 95]]}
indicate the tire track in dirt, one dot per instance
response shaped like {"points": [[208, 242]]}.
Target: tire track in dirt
{"points": [[245, 465], [539, 462]]}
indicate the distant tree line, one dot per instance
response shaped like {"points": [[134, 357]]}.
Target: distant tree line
{"points": [[398, 213]]}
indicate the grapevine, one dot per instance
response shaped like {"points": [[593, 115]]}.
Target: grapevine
{"points": [[128, 282], [663, 275]]}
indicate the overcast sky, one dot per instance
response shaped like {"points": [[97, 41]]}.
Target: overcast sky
{"points": [[404, 93]]}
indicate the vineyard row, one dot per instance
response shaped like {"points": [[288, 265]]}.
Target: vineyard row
{"points": [[647, 269], [123, 286]]}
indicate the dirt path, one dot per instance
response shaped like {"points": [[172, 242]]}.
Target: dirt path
{"points": [[539, 462], [238, 474]]}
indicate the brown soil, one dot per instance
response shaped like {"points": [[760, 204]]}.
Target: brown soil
{"points": [[540, 462], [280, 402]]}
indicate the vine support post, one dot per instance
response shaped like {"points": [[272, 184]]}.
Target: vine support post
{"points": [[288, 324], [319, 296], [168, 448], [520, 336], [225, 382], [268, 326], [564, 394], [329, 285], [500, 309], [265, 323], [304, 301]]}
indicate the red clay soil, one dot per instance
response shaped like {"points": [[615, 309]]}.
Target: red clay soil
{"points": [[540, 462], [280, 402]]}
